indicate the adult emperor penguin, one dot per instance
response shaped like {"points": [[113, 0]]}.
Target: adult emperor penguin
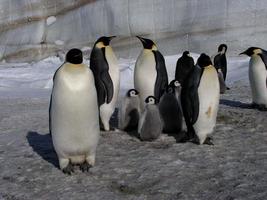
{"points": [[258, 76], [220, 61], [150, 123], [171, 111], [184, 66], [200, 100], [104, 65], [73, 114], [129, 111], [150, 74]]}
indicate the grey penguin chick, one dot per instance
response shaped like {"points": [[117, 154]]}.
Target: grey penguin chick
{"points": [[73, 114], [150, 123], [171, 111], [129, 111]]}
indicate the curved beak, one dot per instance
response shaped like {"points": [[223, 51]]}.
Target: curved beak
{"points": [[141, 39], [111, 37], [243, 53]]}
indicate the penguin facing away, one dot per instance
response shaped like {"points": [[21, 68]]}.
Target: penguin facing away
{"points": [[258, 76], [150, 123], [150, 74], [129, 111], [73, 114], [200, 100], [104, 66], [184, 66], [220, 63], [171, 111], [220, 60]]}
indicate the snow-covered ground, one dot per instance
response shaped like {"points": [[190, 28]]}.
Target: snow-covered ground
{"points": [[35, 79], [235, 168]]}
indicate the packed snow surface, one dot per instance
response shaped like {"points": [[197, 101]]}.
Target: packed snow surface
{"points": [[21, 79]]}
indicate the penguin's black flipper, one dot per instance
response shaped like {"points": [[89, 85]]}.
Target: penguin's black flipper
{"points": [[264, 57], [162, 76], [189, 97], [103, 81], [220, 62]]}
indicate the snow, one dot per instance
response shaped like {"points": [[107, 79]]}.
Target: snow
{"points": [[51, 20], [17, 77]]}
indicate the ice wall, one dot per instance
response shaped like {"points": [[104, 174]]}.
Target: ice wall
{"points": [[34, 29]]}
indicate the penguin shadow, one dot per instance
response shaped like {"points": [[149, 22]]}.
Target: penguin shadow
{"points": [[179, 137], [236, 104], [43, 146]]}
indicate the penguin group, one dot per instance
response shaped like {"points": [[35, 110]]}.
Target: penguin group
{"points": [[84, 98]]}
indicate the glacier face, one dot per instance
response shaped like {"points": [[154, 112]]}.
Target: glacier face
{"points": [[33, 29]]}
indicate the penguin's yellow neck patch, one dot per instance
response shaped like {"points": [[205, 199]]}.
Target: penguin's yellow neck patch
{"points": [[100, 45], [257, 51], [154, 47]]}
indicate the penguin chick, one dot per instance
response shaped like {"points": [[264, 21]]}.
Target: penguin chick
{"points": [[171, 111], [129, 111], [150, 123]]}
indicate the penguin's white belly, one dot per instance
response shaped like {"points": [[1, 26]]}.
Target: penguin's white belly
{"points": [[208, 92], [145, 75], [257, 77], [74, 116]]}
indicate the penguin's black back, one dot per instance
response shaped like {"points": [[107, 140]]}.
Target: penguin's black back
{"points": [[184, 66]]}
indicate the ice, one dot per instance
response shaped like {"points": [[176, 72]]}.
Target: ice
{"points": [[197, 26], [36, 76], [51, 20]]}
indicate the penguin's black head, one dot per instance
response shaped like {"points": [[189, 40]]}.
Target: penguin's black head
{"points": [[252, 50], [105, 40], [147, 43], [174, 83], [222, 47], [170, 89], [132, 93], [151, 100], [204, 60], [186, 53], [74, 56]]}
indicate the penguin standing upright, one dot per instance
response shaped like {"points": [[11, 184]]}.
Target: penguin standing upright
{"points": [[258, 76], [220, 61], [184, 66], [200, 100], [150, 123], [129, 111], [73, 114], [171, 111], [104, 65], [150, 74]]}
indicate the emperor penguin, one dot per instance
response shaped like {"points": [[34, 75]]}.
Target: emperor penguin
{"points": [[184, 66], [73, 114], [258, 76], [150, 74], [220, 61], [171, 111], [200, 100], [104, 65], [129, 111], [150, 123]]}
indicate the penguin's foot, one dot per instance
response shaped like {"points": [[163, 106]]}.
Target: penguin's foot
{"points": [[69, 169], [208, 141], [262, 107], [84, 167]]}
